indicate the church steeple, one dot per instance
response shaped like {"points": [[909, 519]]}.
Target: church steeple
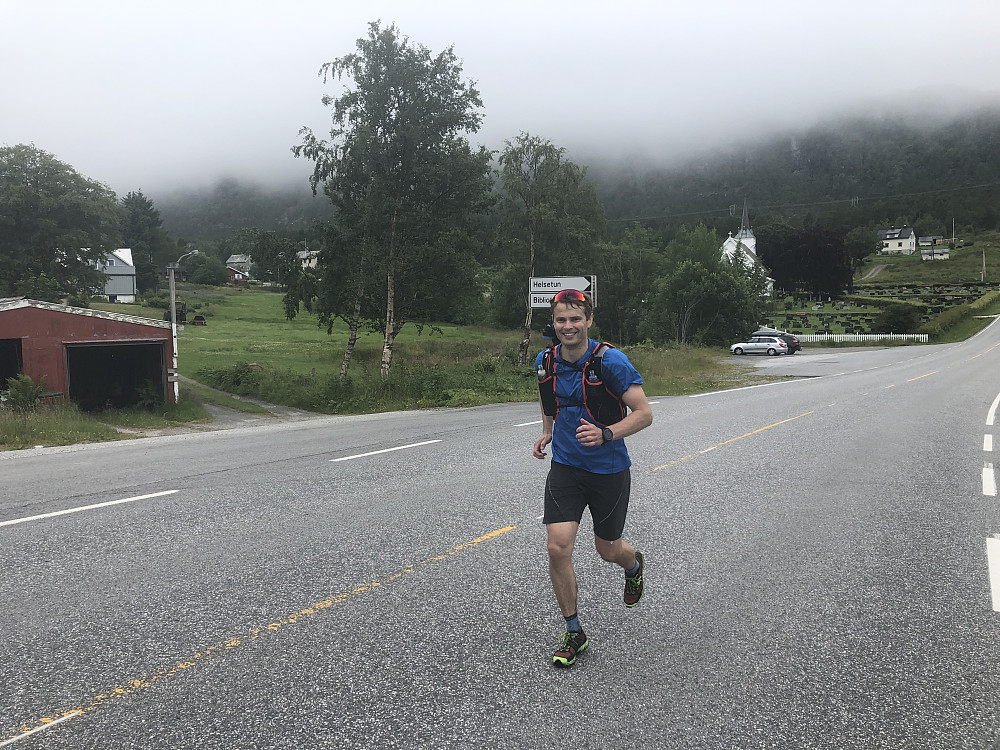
{"points": [[745, 231]]}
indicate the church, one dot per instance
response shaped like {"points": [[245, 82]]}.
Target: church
{"points": [[744, 244]]}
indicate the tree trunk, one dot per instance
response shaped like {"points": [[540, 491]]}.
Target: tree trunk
{"points": [[390, 303], [522, 353], [353, 337], [354, 321]]}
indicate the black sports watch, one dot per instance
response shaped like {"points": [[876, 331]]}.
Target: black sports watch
{"points": [[607, 434]]}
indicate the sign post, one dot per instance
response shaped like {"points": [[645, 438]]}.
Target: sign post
{"points": [[541, 289]]}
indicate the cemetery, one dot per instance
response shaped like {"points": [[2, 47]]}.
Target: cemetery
{"points": [[855, 313]]}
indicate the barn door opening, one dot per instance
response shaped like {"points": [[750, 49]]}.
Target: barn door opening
{"points": [[117, 375], [11, 364]]}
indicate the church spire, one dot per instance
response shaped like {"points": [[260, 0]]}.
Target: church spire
{"points": [[745, 230]]}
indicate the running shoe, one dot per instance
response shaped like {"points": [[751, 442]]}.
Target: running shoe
{"points": [[570, 644], [634, 585]]}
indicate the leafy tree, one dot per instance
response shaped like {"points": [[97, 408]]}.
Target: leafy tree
{"points": [[705, 305], [144, 233], [204, 269], [552, 215], [42, 287], [627, 271], [699, 245], [814, 260], [274, 256], [54, 223], [860, 242], [403, 179], [897, 318]]}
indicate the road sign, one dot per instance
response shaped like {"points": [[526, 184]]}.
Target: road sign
{"points": [[541, 289]]}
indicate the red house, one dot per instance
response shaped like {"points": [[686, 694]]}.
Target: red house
{"points": [[236, 276], [93, 358]]}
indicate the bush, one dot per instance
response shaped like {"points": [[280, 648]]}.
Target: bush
{"points": [[160, 300], [22, 394], [150, 396], [243, 378], [897, 318]]}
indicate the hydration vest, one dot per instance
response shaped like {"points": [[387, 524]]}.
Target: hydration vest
{"points": [[603, 406]]}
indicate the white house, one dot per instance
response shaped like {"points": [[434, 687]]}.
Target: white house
{"points": [[744, 246], [120, 270], [897, 241], [935, 252], [308, 258]]}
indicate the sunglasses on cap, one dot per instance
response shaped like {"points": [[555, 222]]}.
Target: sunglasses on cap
{"points": [[567, 295]]}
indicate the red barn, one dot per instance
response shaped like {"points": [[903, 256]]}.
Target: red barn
{"points": [[93, 358]]}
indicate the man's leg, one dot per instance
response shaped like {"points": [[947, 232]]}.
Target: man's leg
{"points": [[622, 553], [619, 552], [561, 539]]}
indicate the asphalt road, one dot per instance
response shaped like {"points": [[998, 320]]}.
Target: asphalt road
{"points": [[817, 577]]}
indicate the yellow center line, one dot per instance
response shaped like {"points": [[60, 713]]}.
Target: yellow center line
{"points": [[727, 442], [250, 636], [987, 351], [925, 375]]}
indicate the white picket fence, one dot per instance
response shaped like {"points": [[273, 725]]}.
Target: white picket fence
{"points": [[860, 338]]}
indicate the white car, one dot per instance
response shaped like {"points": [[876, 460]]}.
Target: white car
{"points": [[771, 345]]}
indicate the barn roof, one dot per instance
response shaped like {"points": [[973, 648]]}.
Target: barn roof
{"points": [[14, 303]]}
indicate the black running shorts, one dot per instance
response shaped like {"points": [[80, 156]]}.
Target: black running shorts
{"points": [[569, 490]]}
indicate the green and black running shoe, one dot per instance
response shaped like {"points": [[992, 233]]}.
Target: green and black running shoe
{"points": [[570, 644], [634, 586]]}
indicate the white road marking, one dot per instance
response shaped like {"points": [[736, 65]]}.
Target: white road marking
{"points": [[993, 555], [989, 481], [86, 507], [653, 402], [528, 424], [749, 387], [47, 725], [987, 442], [385, 450], [993, 411]]}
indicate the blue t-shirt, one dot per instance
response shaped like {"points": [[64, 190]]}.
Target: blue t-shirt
{"points": [[619, 375]]}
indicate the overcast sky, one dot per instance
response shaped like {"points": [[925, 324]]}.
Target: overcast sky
{"points": [[165, 93]]}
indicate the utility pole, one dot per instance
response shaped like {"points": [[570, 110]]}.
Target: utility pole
{"points": [[173, 322]]}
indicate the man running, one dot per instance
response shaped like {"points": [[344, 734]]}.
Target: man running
{"points": [[591, 398]]}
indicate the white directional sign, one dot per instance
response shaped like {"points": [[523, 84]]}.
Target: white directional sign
{"points": [[541, 289]]}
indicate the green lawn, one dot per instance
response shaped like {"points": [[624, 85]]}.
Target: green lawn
{"points": [[249, 325], [964, 265]]}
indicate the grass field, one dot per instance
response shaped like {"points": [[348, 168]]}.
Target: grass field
{"points": [[295, 362], [964, 265]]}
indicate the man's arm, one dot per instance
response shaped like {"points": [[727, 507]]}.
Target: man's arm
{"points": [[538, 450], [639, 418], [640, 415]]}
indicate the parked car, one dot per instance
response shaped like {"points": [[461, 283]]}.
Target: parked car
{"points": [[788, 338], [771, 345]]}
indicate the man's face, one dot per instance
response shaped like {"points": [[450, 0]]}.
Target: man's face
{"points": [[571, 325]]}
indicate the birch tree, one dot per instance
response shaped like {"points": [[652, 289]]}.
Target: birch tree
{"points": [[402, 176], [551, 211]]}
